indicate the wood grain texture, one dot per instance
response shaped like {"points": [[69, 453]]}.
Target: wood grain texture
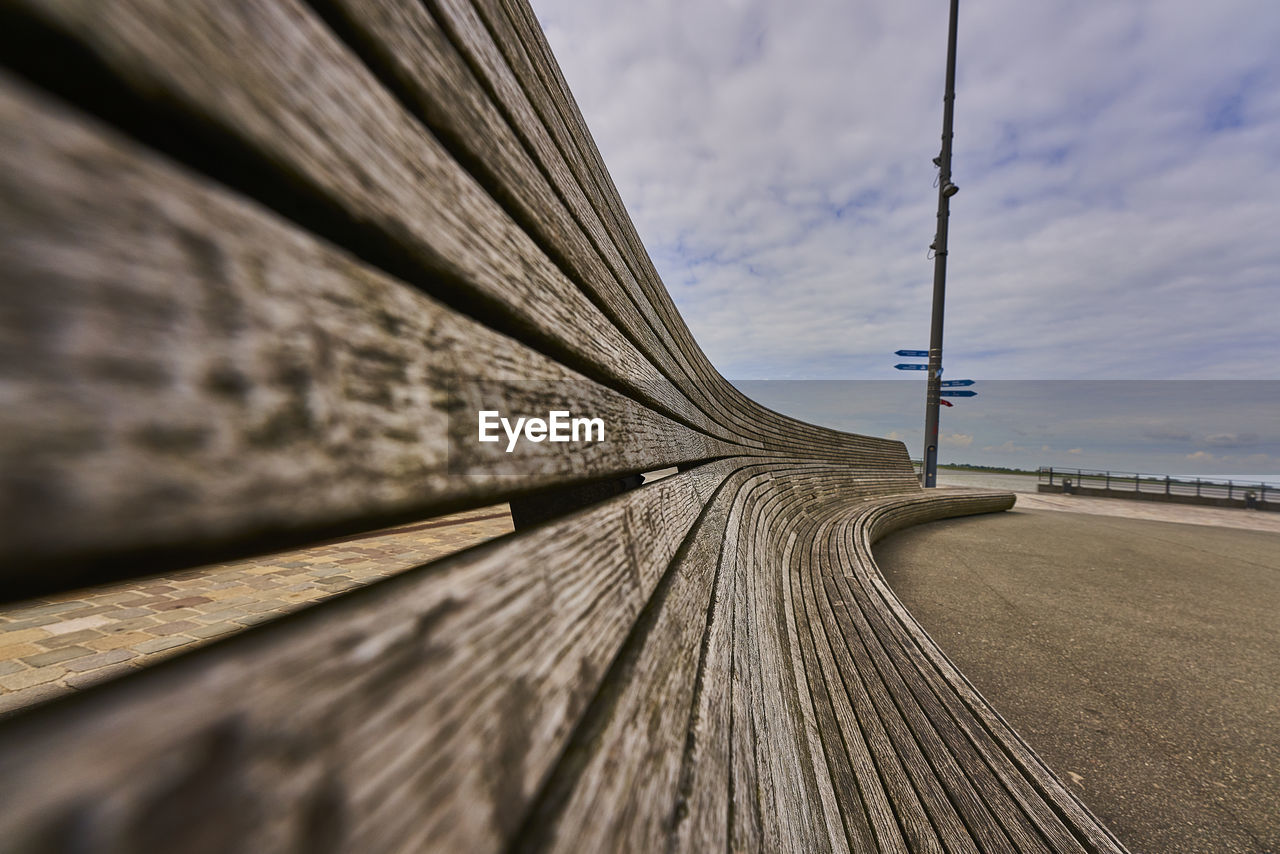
{"points": [[501, 139], [276, 82], [524, 45], [419, 713], [190, 364], [842, 740]]}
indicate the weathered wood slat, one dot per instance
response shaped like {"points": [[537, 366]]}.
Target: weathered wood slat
{"points": [[295, 99], [1020, 814], [631, 746], [538, 112], [896, 745], [848, 726], [278, 84], [794, 618], [1023, 839], [190, 364], [787, 776], [980, 803], [1039, 785], [531, 60], [981, 758], [504, 144], [814, 518], [428, 706], [543, 74], [540, 117]]}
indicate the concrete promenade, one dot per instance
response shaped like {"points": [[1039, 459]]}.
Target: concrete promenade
{"points": [[1137, 655], [63, 643]]}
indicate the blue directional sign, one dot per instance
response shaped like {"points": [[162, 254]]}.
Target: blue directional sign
{"points": [[954, 383], [908, 367], [912, 354], [958, 393]]}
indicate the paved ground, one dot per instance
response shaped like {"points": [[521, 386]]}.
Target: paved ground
{"points": [[59, 644], [1138, 657], [1190, 514]]}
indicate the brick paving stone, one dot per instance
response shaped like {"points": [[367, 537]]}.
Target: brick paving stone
{"points": [[113, 598], [166, 629], [87, 610], [29, 623], [130, 625], [54, 656], [13, 701], [237, 601], [118, 641], [130, 613], [12, 666], [23, 636], [136, 600], [321, 571], [255, 619], [29, 678], [261, 605], [52, 609], [160, 644], [102, 674], [72, 626], [175, 616], [18, 650], [183, 603], [101, 659], [221, 627], [69, 640], [149, 602], [219, 616]]}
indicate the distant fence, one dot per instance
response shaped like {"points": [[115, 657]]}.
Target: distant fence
{"points": [[1245, 491]]}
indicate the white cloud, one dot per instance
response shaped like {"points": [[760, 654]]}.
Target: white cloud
{"points": [[956, 440], [1118, 171], [1231, 440], [1075, 451]]}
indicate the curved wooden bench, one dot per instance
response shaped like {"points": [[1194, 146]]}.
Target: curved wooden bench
{"points": [[263, 263]]}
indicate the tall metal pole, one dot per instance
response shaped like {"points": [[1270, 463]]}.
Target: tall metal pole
{"points": [[945, 191]]}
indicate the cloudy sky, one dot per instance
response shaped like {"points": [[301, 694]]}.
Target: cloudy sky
{"points": [[1119, 165]]}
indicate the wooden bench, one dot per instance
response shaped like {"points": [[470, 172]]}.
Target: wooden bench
{"points": [[263, 264]]}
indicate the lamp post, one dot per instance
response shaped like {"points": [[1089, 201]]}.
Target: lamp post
{"points": [[946, 190]]}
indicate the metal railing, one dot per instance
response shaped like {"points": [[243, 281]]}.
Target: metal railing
{"points": [[1131, 481]]}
